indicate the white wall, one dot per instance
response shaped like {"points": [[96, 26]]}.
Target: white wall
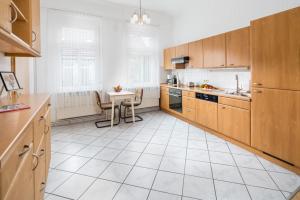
{"points": [[202, 19], [22, 71], [205, 18]]}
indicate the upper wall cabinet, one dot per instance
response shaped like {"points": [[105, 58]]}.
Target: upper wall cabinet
{"points": [[238, 48], [275, 47], [214, 51], [182, 50], [20, 27], [168, 55], [196, 54], [5, 15]]}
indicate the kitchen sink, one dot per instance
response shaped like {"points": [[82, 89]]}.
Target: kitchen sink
{"points": [[243, 94]]}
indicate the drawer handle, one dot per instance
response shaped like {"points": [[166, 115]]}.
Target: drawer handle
{"points": [[257, 91], [26, 149], [37, 161], [42, 118], [43, 186], [223, 107], [34, 37], [258, 84]]}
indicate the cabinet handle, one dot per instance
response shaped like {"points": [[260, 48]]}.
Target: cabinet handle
{"points": [[49, 105], [257, 91], [46, 129], [222, 65], [43, 186], [231, 64], [223, 107], [15, 14], [42, 152], [42, 118], [37, 161], [26, 149], [258, 84], [34, 36]]}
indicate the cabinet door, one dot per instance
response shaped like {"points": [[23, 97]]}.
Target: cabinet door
{"points": [[36, 38], [207, 114], [182, 50], [48, 140], [164, 101], [214, 51], [275, 123], [23, 183], [5, 15], [40, 171], [168, 55], [238, 48], [275, 46], [189, 113], [234, 122], [196, 54]]}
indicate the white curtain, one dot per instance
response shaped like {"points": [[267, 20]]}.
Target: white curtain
{"points": [[74, 61]]}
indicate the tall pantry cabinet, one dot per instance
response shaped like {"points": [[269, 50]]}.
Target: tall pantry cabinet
{"points": [[275, 106]]}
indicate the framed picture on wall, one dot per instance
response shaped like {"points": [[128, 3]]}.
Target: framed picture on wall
{"points": [[10, 81]]}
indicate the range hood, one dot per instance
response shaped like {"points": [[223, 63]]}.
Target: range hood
{"points": [[180, 62]]}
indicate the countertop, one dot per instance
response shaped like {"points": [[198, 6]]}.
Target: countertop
{"points": [[212, 92], [12, 124]]}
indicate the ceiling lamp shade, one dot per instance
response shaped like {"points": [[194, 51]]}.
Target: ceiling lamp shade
{"points": [[140, 17]]}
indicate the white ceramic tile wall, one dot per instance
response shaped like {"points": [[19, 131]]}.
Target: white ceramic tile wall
{"points": [[220, 78]]}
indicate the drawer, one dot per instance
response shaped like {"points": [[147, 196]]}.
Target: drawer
{"points": [[188, 94], [188, 102], [164, 89], [39, 126], [235, 102], [189, 113], [40, 170], [15, 158]]}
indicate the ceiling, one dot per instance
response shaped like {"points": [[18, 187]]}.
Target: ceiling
{"points": [[170, 7]]}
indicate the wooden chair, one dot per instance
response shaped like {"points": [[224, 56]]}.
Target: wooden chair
{"points": [[127, 105], [105, 107]]}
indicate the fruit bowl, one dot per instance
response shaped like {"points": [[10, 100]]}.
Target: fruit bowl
{"points": [[118, 88]]}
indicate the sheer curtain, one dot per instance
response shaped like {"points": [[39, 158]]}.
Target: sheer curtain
{"points": [[143, 59], [73, 62]]}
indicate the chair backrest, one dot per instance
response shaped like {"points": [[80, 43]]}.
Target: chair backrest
{"points": [[139, 92], [98, 99]]}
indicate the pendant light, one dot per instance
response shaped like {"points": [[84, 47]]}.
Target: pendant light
{"points": [[140, 17]]}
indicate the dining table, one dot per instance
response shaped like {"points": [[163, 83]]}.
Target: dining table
{"points": [[122, 95]]}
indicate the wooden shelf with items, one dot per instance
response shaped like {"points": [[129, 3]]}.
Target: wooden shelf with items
{"points": [[20, 28]]}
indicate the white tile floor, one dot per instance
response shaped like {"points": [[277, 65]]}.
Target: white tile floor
{"points": [[161, 158]]}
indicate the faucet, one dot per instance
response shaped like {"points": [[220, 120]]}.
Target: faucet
{"points": [[238, 89]]}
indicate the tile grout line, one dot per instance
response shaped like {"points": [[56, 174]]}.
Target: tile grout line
{"points": [[240, 173], [186, 151], [162, 157]]}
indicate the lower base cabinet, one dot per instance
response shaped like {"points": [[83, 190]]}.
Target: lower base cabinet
{"points": [[234, 122], [164, 100], [276, 123], [207, 114]]}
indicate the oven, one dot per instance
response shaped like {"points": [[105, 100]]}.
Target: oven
{"points": [[175, 100]]}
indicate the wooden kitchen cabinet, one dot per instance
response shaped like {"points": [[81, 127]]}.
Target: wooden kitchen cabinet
{"points": [[40, 171], [25, 149], [182, 50], [5, 15], [207, 114], [196, 54], [168, 55], [214, 51], [275, 42], [20, 27], [238, 48], [189, 107], [164, 98], [35, 24], [275, 123], [234, 122]]}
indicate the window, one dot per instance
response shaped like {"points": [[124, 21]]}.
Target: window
{"points": [[79, 54], [143, 67]]}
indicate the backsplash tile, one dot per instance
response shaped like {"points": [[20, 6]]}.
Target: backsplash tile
{"points": [[223, 78]]}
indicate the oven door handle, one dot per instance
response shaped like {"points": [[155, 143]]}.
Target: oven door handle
{"points": [[175, 95]]}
